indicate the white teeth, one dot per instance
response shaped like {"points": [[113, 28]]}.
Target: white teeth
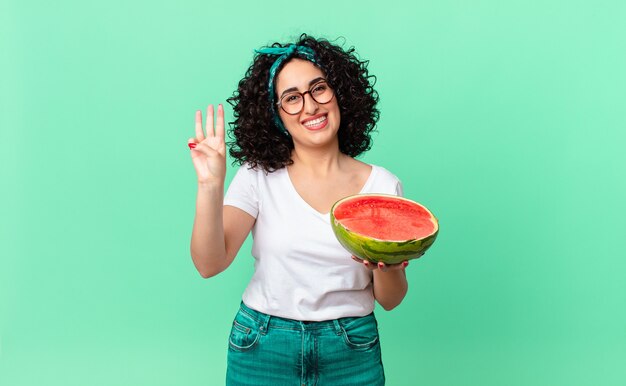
{"points": [[315, 121]]}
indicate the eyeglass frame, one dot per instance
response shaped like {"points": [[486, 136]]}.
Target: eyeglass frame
{"points": [[302, 94]]}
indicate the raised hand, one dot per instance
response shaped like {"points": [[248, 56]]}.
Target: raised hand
{"points": [[209, 153]]}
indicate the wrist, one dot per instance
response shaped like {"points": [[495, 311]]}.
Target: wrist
{"points": [[211, 186]]}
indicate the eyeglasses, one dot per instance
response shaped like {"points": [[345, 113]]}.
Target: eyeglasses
{"points": [[293, 102]]}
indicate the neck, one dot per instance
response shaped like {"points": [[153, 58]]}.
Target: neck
{"points": [[320, 162]]}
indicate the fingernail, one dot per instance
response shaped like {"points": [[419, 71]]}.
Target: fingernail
{"points": [[381, 265], [366, 262], [191, 145], [404, 264]]}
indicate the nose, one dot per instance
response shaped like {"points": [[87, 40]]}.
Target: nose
{"points": [[310, 106]]}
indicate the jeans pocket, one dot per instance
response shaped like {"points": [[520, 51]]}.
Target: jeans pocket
{"points": [[244, 333], [360, 333]]}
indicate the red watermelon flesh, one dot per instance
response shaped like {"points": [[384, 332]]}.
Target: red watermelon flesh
{"points": [[385, 218]]}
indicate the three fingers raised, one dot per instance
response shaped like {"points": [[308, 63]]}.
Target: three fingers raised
{"points": [[213, 129]]}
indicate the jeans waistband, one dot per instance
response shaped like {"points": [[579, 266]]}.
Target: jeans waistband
{"points": [[266, 321]]}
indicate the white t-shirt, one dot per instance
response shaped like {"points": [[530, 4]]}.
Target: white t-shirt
{"points": [[301, 271]]}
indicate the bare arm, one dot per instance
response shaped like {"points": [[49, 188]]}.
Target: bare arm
{"points": [[218, 230], [390, 284], [390, 287]]}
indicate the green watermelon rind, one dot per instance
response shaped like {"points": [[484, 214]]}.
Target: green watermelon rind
{"points": [[375, 250]]}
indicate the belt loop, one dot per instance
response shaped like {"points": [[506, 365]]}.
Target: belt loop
{"points": [[338, 329], [265, 322]]}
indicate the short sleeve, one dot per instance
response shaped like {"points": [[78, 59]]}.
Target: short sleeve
{"points": [[242, 192], [399, 189]]}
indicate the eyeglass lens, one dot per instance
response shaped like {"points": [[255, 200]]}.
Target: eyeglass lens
{"points": [[293, 102]]}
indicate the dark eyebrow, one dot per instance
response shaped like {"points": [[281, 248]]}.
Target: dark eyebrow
{"points": [[311, 83]]}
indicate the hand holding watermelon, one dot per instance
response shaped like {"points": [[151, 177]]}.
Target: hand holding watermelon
{"points": [[380, 265], [209, 153]]}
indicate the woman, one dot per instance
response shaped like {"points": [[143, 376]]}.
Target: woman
{"points": [[302, 112]]}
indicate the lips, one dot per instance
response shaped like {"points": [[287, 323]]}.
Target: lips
{"points": [[316, 122], [313, 117]]}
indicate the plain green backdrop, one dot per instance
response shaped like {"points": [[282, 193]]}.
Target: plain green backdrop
{"points": [[506, 118]]}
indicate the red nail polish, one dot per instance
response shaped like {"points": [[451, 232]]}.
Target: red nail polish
{"points": [[381, 265], [404, 264], [191, 145]]}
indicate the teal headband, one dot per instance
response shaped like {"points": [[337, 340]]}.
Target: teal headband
{"points": [[284, 53]]}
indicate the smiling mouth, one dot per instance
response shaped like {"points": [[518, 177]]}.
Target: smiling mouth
{"points": [[316, 123]]}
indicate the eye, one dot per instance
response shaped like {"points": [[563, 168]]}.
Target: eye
{"points": [[319, 88], [291, 99]]}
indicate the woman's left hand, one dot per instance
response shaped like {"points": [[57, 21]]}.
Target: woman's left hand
{"points": [[381, 266]]}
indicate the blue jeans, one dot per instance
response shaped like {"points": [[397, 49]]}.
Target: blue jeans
{"points": [[268, 350]]}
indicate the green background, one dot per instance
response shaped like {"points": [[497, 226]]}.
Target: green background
{"points": [[506, 118]]}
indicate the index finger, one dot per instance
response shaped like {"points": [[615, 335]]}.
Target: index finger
{"points": [[199, 132]]}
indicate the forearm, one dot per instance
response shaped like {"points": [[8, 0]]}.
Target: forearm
{"points": [[390, 288], [208, 249]]}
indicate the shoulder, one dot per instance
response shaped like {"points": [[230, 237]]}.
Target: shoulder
{"points": [[385, 181], [257, 177], [246, 170], [375, 172], [384, 174]]}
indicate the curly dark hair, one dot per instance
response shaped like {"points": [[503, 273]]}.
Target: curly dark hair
{"points": [[256, 138]]}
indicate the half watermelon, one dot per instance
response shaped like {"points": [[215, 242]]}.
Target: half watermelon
{"points": [[381, 227]]}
